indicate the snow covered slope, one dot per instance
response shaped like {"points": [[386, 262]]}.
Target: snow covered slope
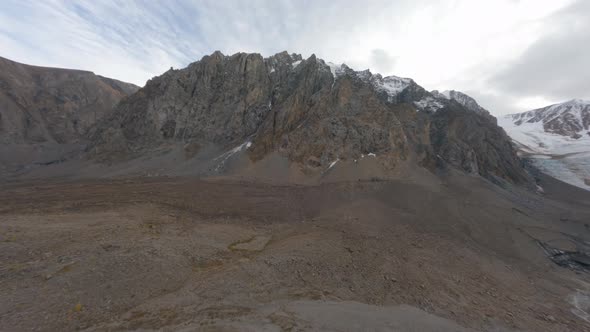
{"points": [[556, 138]]}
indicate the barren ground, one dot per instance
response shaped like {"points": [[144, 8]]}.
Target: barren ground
{"points": [[221, 255]]}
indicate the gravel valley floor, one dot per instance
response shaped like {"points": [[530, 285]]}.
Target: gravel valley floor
{"points": [[185, 254]]}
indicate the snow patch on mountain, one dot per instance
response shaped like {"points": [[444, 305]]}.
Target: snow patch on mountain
{"points": [[225, 156], [393, 84], [429, 104], [335, 69], [332, 164]]}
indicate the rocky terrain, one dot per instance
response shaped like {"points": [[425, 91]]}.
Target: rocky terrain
{"points": [[465, 100], [245, 193], [451, 253], [40, 104], [46, 113], [556, 138], [315, 114]]}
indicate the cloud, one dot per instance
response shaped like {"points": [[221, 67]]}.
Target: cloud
{"points": [[382, 61], [441, 44], [556, 65], [127, 40]]}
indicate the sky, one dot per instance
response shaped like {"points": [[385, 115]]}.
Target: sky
{"points": [[510, 55]]}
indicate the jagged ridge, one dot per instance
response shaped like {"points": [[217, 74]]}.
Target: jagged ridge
{"points": [[571, 118], [311, 111]]}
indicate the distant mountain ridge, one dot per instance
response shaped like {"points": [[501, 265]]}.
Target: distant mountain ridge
{"points": [[245, 110], [40, 104], [571, 118], [462, 99], [556, 137]]}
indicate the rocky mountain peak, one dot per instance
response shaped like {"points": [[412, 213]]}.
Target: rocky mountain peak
{"points": [[312, 112], [463, 99], [571, 118]]}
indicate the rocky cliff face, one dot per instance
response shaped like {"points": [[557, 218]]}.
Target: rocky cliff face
{"points": [[312, 112], [40, 104], [465, 101]]}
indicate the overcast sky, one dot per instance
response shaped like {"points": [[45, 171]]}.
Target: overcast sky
{"points": [[511, 55]]}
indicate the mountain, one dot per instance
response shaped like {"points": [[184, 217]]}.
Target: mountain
{"points": [[465, 100], [39, 104], [556, 138], [283, 193], [310, 113], [569, 119]]}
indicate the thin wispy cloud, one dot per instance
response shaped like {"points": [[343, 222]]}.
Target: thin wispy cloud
{"points": [[486, 48]]}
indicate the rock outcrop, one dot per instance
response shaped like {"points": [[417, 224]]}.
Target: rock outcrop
{"points": [[39, 104], [312, 112], [465, 100]]}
